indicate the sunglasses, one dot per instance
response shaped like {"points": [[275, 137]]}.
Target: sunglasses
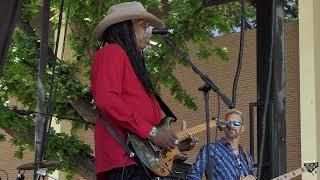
{"points": [[235, 122]]}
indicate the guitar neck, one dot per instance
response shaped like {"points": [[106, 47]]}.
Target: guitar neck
{"points": [[182, 135], [291, 174]]}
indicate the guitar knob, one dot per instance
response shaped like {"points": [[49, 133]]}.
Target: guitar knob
{"points": [[164, 154]]}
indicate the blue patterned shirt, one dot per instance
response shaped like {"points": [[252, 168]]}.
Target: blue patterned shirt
{"points": [[226, 166]]}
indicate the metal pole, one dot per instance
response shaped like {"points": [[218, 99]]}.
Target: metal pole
{"points": [[41, 104]]}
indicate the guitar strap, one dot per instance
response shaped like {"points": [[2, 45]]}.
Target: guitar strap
{"points": [[248, 161], [164, 107], [123, 144], [116, 136]]}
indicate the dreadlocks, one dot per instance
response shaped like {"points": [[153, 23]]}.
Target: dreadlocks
{"points": [[123, 34]]}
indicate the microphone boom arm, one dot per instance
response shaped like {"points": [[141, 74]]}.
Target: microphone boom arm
{"points": [[204, 77]]}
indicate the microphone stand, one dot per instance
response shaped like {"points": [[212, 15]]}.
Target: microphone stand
{"points": [[208, 85]]}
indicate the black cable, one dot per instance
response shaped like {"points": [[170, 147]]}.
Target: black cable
{"points": [[124, 167], [216, 133], [267, 96], [27, 113], [184, 41], [62, 56], [145, 169], [48, 118], [65, 30], [237, 75]]}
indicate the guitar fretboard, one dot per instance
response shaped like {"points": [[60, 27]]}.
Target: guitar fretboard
{"points": [[182, 135], [291, 174]]}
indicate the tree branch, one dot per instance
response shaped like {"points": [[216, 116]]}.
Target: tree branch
{"points": [[84, 109]]}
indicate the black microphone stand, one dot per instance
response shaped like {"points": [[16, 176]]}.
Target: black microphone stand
{"points": [[208, 85]]}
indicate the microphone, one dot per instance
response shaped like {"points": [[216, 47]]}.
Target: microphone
{"points": [[223, 124], [161, 31]]}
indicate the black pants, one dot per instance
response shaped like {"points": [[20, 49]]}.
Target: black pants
{"points": [[132, 172]]}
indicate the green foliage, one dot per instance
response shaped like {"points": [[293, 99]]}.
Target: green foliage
{"points": [[2, 138], [291, 10], [64, 148]]}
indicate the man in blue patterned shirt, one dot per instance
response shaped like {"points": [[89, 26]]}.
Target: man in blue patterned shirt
{"points": [[229, 161]]}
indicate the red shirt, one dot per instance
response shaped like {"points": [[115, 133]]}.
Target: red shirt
{"points": [[124, 103]]}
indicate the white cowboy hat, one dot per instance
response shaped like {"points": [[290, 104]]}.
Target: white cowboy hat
{"points": [[122, 12]]}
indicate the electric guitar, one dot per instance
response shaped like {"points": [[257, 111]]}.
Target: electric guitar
{"points": [[159, 160], [307, 167]]}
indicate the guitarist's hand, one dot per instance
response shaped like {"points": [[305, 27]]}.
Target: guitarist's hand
{"points": [[187, 144], [165, 139]]}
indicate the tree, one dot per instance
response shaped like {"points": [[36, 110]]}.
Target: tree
{"points": [[72, 100]]}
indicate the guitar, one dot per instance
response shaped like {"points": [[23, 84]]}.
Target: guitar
{"points": [[307, 167], [159, 160]]}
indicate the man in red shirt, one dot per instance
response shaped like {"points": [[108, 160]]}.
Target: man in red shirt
{"points": [[124, 93]]}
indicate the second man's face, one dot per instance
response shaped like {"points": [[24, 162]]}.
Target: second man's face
{"points": [[236, 126]]}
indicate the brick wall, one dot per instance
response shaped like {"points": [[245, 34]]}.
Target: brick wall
{"points": [[9, 164]]}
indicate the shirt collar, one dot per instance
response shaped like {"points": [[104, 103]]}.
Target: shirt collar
{"points": [[226, 143]]}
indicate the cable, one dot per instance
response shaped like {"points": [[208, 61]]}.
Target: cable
{"points": [[27, 113], [146, 171], [237, 75], [216, 134], [62, 56], [124, 167], [184, 41], [65, 30], [48, 118], [266, 104]]}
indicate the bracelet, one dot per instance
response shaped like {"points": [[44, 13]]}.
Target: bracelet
{"points": [[153, 132]]}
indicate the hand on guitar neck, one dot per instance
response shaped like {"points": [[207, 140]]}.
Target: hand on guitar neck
{"points": [[167, 140]]}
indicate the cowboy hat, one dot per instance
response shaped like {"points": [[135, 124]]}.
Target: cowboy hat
{"points": [[122, 12]]}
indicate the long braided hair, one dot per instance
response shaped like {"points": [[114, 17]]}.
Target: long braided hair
{"points": [[123, 34]]}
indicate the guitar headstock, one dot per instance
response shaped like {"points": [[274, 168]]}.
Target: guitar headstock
{"points": [[311, 166]]}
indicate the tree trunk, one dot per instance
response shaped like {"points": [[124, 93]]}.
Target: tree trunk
{"points": [[86, 164], [84, 109]]}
